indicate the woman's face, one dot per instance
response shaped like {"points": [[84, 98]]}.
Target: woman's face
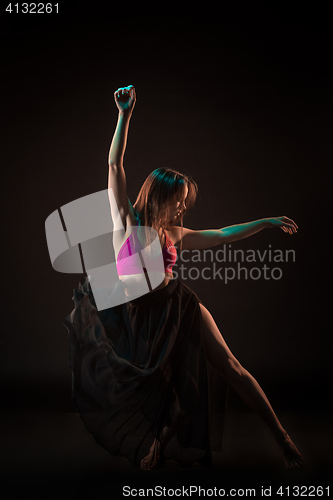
{"points": [[177, 208]]}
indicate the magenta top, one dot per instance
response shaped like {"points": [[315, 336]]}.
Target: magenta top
{"points": [[129, 262]]}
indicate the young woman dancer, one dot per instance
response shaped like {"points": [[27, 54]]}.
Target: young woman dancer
{"points": [[140, 368]]}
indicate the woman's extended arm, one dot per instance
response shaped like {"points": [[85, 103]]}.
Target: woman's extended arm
{"points": [[198, 240], [240, 231], [125, 100]]}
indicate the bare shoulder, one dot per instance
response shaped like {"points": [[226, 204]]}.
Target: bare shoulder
{"points": [[196, 239], [175, 234]]}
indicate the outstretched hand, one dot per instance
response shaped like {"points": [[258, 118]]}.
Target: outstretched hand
{"points": [[286, 224], [125, 98]]}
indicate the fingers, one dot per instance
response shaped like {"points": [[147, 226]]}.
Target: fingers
{"points": [[290, 221], [289, 226], [289, 229], [119, 93], [130, 90], [133, 92], [286, 224]]}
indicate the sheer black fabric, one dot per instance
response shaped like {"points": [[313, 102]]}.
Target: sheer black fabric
{"points": [[140, 367]]}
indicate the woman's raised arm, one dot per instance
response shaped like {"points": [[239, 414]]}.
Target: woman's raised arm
{"points": [[125, 100]]}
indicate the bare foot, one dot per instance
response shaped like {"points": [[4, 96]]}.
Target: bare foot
{"points": [[155, 457], [292, 457]]}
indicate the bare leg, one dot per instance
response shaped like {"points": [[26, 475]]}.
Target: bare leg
{"points": [[221, 358]]}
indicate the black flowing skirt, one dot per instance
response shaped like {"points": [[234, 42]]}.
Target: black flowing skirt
{"points": [[139, 367]]}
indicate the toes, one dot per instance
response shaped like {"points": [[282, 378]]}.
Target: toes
{"points": [[294, 465], [143, 464]]}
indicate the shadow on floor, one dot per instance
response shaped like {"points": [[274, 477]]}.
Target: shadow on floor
{"points": [[52, 456]]}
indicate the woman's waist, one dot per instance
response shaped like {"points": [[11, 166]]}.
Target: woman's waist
{"points": [[139, 281], [162, 290], [167, 278]]}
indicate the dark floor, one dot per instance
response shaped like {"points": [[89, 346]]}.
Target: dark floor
{"points": [[52, 456]]}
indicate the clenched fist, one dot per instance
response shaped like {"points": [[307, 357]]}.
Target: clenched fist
{"points": [[125, 98]]}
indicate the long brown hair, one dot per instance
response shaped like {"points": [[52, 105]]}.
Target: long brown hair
{"points": [[158, 192]]}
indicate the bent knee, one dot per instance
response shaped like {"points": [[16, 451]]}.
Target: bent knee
{"points": [[232, 369]]}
